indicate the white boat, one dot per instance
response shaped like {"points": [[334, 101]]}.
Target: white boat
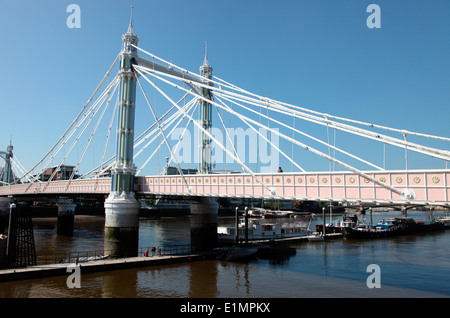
{"points": [[259, 231], [301, 214], [277, 214], [256, 213], [315, 237], [445, 221]]}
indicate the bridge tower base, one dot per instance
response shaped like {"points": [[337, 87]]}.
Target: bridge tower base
{"points": [[66, 216], [121, 225], [4, 214], [204, 224]]}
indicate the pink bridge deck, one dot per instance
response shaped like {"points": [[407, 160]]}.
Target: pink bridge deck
{"points": [[429, 186]]}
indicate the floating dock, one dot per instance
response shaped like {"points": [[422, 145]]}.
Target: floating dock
{"points": [[40, 271]]}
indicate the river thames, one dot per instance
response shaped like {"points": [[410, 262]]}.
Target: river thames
{"points": [[410, 266]]}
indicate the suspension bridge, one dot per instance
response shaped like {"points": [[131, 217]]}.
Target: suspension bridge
{"points": [[192, 102]]}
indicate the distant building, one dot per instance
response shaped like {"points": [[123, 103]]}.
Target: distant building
{"points": [[169, 171], [63, 172]]}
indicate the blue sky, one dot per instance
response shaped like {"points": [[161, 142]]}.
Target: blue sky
{"points": [[318, 54]]}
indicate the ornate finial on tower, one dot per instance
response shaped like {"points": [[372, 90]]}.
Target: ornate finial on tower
{"points": [[130, 26], [206, 69], [129, 37], [205, 62]]}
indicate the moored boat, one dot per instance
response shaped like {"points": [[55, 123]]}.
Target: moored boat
{"points": [[315, 237], [256, 212], [445, 221], [259, 231], [270, 214], [348, 221], [392, 227]]}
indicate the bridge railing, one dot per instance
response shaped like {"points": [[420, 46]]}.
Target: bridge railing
{"points": [[85, 256], [101, 185], [429, 186]]}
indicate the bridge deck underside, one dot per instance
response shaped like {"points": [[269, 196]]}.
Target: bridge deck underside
{"points": [[429, 186]]}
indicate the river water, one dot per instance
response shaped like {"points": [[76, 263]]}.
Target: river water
{"points": [[409, 266]]}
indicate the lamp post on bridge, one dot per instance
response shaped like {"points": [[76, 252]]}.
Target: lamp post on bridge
{"points": [[121, 206]]}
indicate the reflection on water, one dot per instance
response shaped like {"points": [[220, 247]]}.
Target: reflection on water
{"points": [[411, 266]]}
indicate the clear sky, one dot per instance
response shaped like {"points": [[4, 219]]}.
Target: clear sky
{"points": [[318, 54]]}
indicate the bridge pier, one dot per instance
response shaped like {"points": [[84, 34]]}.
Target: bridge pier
{"points": [[204, 224], [4, 214], [121, 225], [66, 216]]}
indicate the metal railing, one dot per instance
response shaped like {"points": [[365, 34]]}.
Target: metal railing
{"points": [[84, 256]]}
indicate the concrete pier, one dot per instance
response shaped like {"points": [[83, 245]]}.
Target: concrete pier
{"points": [[4, 214], [66, 214], [121, 225], [204, 224]]}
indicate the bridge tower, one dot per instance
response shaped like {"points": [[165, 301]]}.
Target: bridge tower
{"points": [[6, 174], [205, 115], [121, 206], [204, 211], [6, 177]]}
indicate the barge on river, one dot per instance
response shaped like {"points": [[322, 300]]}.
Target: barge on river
{"points": [[392, 227], [348, 221]]}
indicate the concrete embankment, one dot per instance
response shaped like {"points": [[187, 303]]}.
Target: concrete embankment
{"points": [[41, 271]]}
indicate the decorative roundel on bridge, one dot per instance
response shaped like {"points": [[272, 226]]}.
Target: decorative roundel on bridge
{"points": [[247, 180], [338, 180], [352, 180], [207, 180], [267, 180], [324, 180], [230, 180], [399, 179], [312, 180], [382, 179], [288, 180], [300, 180], [192, 180], [277, 180], [416, 179], [436, 179], [239, 180], [366, 180], [214, 180], [222, 180]]}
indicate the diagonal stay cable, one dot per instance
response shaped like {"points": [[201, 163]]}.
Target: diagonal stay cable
{"points": [[306, 147], [265, 138], [74, 121], [204, 130], [159, 133], [163, 134]]}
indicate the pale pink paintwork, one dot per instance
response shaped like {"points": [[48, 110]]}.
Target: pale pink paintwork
{"points": [[429, 186]]}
